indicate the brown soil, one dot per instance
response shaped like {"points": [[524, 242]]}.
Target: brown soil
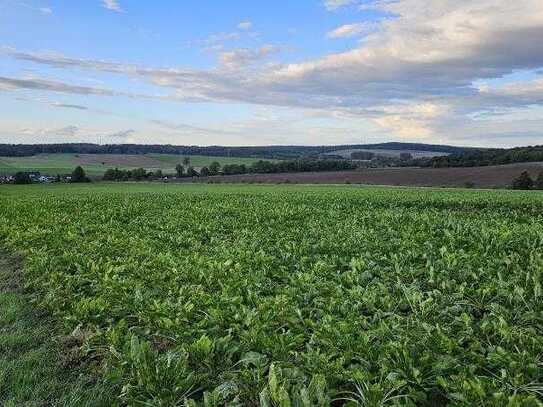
{"points": [[480, 177]]}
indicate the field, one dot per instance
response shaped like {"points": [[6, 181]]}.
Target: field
{"points": [[389, 153], [480, 177], [97, 164], [212, 295]]}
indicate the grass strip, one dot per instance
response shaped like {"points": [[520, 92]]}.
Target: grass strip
{"points": [[36, 364]]}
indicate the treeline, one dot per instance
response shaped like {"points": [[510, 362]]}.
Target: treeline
{"points": [[278, 152], [480, 158], [307, 165], [138, 174], [301, 165], [259, 167]]}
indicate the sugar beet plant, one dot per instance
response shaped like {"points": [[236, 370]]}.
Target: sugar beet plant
{"points": [[292, 296]]}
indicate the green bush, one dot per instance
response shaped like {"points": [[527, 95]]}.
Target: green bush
{"points": [[22, 178], [524, 181], [79, 176]]}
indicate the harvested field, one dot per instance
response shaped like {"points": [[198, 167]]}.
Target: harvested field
{"points": [[119, 160], [480, 177]]}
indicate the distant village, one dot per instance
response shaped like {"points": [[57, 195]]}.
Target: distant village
{"points": [[35, 177]]}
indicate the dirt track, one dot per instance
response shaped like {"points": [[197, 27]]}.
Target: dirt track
{"points": [[481, 177]]}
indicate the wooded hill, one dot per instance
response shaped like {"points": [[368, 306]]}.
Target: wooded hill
{"points": [[485, 157], [278, 152]]}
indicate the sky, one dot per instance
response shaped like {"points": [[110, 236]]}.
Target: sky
{"points": [[282, 72]]}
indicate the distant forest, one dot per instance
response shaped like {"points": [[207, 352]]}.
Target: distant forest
{"points": [[271, 152], [480, 157], [459, 156]]}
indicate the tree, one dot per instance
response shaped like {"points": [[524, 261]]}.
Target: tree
{"points": [[79, 176], [214, 168], [158, 173], [539, 181], [406, 156], [180, 170], [191, 172], [233, 169], [263, 167], [139, 174], [186, 161], [524, 181], [110, 175], [204, 172], [22, 178]]}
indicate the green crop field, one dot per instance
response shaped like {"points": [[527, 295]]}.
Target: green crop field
{"points": [[206, 295], [97, 164]]}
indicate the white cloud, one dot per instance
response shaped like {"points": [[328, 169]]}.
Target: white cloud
{"points": [[69, 106], [52, 86], [68, 134], [112, 5], [526, 88], [48, 85], [461, 38], [42, 10], [124, 134], [245, 25], [218, 41], [215, 42], [195, 131], [411, 120], [241, 57], [349, 30], [332, 5], [70, 131]]}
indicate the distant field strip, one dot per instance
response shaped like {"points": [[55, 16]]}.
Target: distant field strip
{"points": [[213, 295], [389, 153], [97, 164]]}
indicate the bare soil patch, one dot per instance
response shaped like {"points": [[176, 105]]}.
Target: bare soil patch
{"points": [[119, 160]]}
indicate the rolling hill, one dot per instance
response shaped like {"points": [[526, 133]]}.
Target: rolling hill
{"points": [[279, 152]]}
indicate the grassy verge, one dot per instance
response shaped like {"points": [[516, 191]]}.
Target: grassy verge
{"points": [[34, 362]]}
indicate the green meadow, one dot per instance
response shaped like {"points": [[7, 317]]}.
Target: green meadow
{"points": [[97, 164]]}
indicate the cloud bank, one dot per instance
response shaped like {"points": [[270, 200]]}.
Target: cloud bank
{"points": [[426, 69]]}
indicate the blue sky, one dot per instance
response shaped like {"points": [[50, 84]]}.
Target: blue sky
{"points": [[281, 72]]}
